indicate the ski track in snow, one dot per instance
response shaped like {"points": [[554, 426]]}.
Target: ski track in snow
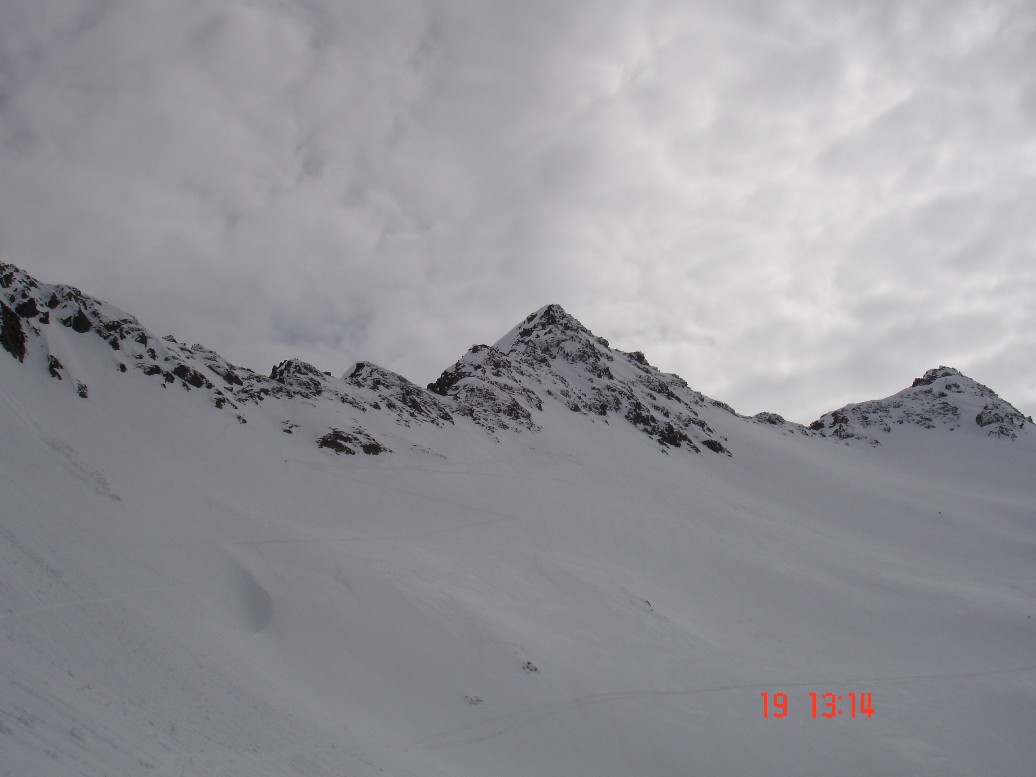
{"points": [[82, 603]]}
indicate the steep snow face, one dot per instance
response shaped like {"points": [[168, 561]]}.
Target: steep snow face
{"points": [[942, 398], [550, 359]]}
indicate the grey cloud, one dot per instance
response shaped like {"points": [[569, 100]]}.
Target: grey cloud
{"points": [[772, 200]]}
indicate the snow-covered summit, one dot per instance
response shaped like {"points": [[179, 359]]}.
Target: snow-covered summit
{"points": [[551, 362], [942, 398]]}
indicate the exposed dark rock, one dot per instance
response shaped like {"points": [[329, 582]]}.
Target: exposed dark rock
{"points": [[670, 435], [82, 390], [638, 415], [933, 375], [344, 442], [716, 446], [450, 377], [304, 378], [1001, 420], [27, 308], [81, 323], [191, 376], [335, 440], [12, 336], [54, 366], [700, 424]]}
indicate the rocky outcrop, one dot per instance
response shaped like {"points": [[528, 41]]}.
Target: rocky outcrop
{"points": [[391, 392], [12, 336], [339, 441]]}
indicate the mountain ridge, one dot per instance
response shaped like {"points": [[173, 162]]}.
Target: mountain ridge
{"points": [[548, 362], [306, 575]]}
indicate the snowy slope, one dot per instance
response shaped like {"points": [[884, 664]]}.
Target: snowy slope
{"points": [[563, 592]]}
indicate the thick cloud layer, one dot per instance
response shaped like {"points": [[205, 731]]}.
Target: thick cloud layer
{"points": [[791, 204]]}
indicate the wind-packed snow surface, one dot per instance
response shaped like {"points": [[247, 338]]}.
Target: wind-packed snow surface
{"points": [[555, 560]]}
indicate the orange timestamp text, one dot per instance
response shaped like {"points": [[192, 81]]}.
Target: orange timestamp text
{"points": [[823, 705]]}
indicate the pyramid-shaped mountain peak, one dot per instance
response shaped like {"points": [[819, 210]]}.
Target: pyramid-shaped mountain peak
{"points": [[551, 362], [551, 317], [549, 323]]}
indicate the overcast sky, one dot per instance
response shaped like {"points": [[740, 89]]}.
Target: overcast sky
{"points": [[793, 205]]}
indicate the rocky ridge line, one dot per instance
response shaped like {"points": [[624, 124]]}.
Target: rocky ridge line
{"points": [[550, 363]]}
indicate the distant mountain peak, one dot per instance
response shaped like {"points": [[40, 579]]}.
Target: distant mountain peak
{"points": [[942, 398]]}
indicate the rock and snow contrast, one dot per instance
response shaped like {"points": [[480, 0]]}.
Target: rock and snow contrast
{"points": [[941, 398], [555, 559]]}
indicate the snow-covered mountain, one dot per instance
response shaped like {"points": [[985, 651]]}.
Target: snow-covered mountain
{"points": [[549, 360], [941, 398], [555, 559]]}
